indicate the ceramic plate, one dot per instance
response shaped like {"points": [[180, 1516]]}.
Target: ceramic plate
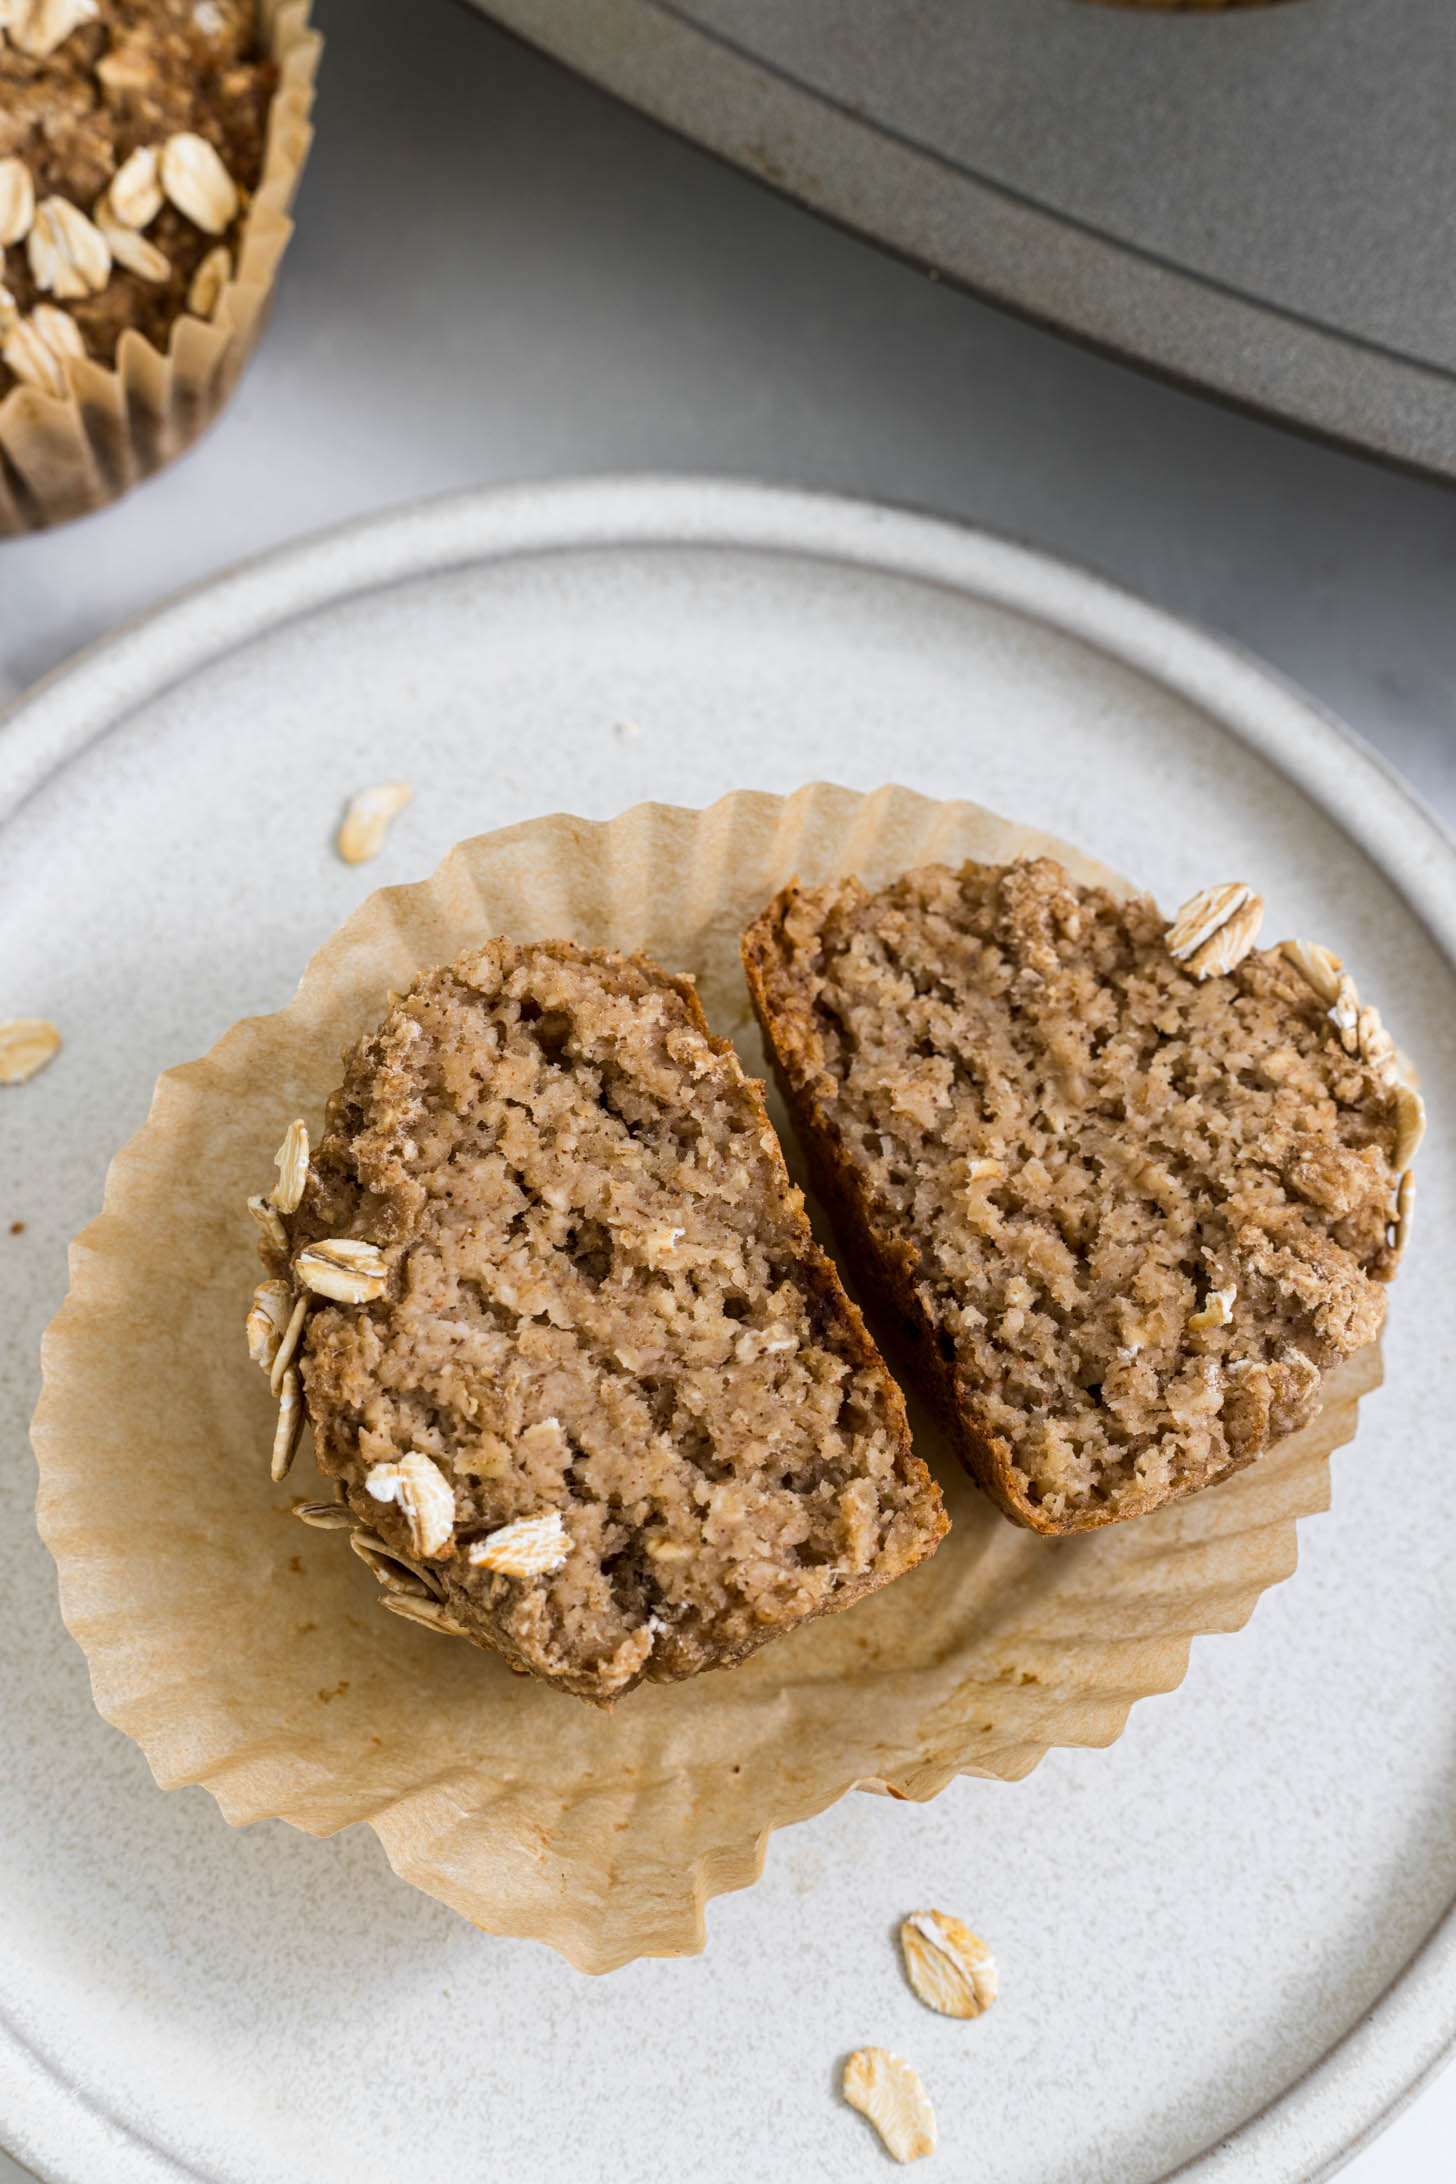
{"points": [[1222, 1942]]}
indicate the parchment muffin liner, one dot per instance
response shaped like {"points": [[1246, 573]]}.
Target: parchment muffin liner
{"points": [[62, 456], [247, 1652]]}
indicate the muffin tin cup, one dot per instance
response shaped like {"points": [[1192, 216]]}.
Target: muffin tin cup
{"points": [[248, 1652], [62, 456]]}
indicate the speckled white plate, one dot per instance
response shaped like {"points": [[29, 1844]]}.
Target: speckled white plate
{"points": [[1222, 1941]]}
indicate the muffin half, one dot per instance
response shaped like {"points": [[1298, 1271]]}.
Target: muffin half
{"points": [[1129, 1190], [593, 1395]]}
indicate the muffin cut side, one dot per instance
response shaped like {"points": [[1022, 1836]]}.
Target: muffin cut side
{"points": [[1127, 1215], [611, 1400]]}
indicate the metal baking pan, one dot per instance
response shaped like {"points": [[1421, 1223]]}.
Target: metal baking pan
{"points": [[1258, 201]]}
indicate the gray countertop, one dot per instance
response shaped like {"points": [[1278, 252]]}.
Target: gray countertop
{"points": [[501, 274]]}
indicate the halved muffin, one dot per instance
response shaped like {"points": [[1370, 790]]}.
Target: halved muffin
{"points": [[595, 1397], [1128, 1190]]}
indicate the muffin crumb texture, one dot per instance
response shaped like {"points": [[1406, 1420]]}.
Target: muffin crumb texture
{"points": [[1127, 1217], [602, 1306], [131, 135]]}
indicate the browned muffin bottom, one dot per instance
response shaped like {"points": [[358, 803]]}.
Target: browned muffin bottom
{"points": [[123, 80], [1130, 1216], [603, 1316]]}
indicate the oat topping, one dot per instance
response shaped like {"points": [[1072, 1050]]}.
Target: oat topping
{"points": [[290, 1425], [58, 330], [950, 1968], [275, 1235], [1410, 1122], [390, 1567], [1345, 1013], [67, 252], [135, 195], [401, 1578], [17, 201], [129, 248], [325, 1516], [288, 1343], [1321, 967], [209, 281], [531, 1547], [425, 1496], [36, 348], [888, 2090], [27, 1043], [197, 182], [272, 1304], [38, 27], [291, 1161], [1374, 1044], [1362, 1033], [432, 1613], [368, 819], [1216, 928], [342, 1267]]}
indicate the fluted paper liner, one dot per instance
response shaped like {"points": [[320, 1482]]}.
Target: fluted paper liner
{"points": [[62, 456], [244, 1651]]}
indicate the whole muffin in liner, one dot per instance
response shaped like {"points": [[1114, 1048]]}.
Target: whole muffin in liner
{"points": [[248, 1652], [65, 455]]}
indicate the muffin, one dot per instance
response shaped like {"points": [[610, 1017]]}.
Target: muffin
{"points": [[593, 1396], [148, 150], [1130, 1190]]}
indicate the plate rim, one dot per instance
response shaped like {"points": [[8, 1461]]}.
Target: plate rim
{"points": [[1363, 2080]]}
